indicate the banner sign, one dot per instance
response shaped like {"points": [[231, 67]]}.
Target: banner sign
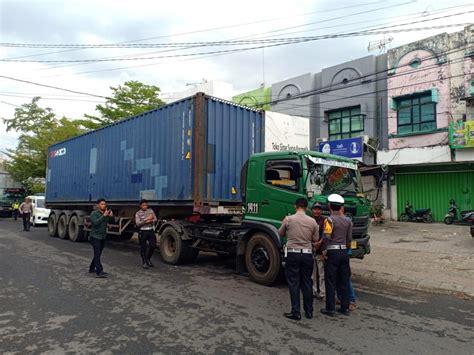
{"points": [[349, 148], [461, 134]]}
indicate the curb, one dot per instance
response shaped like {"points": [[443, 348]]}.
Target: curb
{"points": [[424, 285]]}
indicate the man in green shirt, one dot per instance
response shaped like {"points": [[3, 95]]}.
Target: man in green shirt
{"points": [[99, 219]]}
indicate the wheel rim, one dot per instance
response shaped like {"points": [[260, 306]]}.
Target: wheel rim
{"points": [[260, 259], [170, 246]]}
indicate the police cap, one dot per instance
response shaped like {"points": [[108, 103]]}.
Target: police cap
{"points": [[336, 200], [317, 205]]}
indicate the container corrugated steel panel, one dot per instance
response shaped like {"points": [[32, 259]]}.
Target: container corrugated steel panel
{"points": [[434, 190], [153, 156], [234, 133]]}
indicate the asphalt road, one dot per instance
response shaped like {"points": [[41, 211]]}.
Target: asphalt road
{"points": [[49, 303]]}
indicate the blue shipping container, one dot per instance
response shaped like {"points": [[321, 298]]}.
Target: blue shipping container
{"points": [[187, 152]]}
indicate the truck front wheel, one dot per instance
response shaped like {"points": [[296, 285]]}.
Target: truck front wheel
{"points": [[262, 259]]}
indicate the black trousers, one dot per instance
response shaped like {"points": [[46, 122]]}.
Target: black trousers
{"points": [[26, 221], [299, 269], [98, 245], [147, 244], [338, 273], [15, 214]]}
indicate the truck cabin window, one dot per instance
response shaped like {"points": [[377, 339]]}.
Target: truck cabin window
{"points": [[339, 180], [283, 174], [326, 178]]}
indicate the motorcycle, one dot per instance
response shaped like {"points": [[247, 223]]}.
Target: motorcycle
{"points": [[420, 215], [452, 215]]}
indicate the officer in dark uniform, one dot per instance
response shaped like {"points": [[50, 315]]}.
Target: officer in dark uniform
{"points": [[337, 239]]}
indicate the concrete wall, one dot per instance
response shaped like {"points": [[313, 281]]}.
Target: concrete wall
{"points": [[285, 89], [443, 68], [258, 98]]}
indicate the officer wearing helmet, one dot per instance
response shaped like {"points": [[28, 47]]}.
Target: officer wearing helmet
{"points": [[337, 239]]}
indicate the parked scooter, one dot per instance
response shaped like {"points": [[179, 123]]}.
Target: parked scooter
{"points": [[452, 215], [421, 215]]}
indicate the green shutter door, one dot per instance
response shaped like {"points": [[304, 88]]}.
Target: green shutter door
{"points": [[434, 190]]}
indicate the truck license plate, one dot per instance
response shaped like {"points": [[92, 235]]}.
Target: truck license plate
{"points": [[353, 244]]}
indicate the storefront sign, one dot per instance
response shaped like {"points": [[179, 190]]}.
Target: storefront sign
{"points": [[349, 148], [461, 134]]}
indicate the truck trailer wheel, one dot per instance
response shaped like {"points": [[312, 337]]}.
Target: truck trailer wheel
{"points": [[171, 246], [262, 259], [52, 226], [75, 231], [62, 226], [174, 250]]}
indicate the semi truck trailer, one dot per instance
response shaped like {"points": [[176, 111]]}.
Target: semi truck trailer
{"points": [[201, 164]]}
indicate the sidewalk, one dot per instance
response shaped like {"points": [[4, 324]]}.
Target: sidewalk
{"points": [[428, 257]]}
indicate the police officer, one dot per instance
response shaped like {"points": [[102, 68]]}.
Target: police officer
{"points": [[145, 220], [319, 289], [337, 239], [302, 234]]}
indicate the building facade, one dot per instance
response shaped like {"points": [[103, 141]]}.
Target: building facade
{"points": [[428, 96]]}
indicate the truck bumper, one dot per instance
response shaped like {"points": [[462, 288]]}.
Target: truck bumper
{"points": [[363, 247]]}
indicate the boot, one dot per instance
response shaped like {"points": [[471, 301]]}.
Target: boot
{"points": [[144, 260], [148, 259]]}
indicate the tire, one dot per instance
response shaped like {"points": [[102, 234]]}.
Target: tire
{"points": [[52, 226], [171, 247], [404, 217], [448, 220], [62, 227], [75, 230], [428, 218], [262, 259]]}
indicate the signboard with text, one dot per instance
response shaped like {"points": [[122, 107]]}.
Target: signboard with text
{"points": [[461, 134], [349, 148]]}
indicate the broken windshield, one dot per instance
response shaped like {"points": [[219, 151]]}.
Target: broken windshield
{"points": [[327, 176]]}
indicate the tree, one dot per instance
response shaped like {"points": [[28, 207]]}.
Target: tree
{"points": [[39, 128], [129, 99]]}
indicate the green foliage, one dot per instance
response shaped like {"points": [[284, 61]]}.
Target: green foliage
{"points": [[39, 128], [376, 210], [34, 185], [129, 99]]}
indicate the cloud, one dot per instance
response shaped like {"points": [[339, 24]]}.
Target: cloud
{"points": [[89, 21]]}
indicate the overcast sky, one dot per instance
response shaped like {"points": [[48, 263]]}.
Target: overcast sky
{"points": [[103, 21]]}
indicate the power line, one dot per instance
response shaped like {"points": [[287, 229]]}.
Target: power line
{"points": [[293, 97], [213, 28], [217, 43], [8, 103], [361, 78], [52, 98], [364, 33], [152, 64], [184, 48], [53, 87]]}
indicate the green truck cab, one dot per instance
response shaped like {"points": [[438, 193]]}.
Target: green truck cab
{"points": [[271, 183]]}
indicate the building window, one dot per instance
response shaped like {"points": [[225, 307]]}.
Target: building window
{"points": [[346, 123], [415, 63], [416, 113]]}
